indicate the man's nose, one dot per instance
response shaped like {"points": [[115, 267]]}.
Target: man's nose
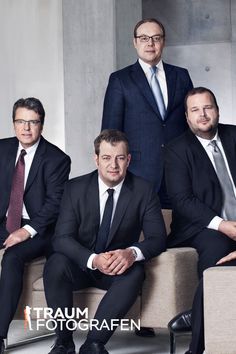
{"points": [[27, 126], [202, 112], [114, 163]]}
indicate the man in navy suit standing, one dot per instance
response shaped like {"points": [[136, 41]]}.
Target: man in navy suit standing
{"points": [[131, 104], [33, 173]]}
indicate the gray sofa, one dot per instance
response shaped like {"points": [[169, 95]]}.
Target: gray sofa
{"points": [[168, 289]]}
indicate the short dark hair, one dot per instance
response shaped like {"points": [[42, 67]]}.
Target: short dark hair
{"points": [[32, 104], [197, 90], [149, 20], [111, 136]]}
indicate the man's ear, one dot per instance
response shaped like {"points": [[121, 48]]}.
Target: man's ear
{"points": [[96, 160], [128, 159]]}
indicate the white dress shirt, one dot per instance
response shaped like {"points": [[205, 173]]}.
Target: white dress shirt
{"points": [[215, 222], [161, 76], [30, 152], [103, 195]]}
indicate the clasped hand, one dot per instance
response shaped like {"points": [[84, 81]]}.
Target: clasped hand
{"points": [[114, 262]]}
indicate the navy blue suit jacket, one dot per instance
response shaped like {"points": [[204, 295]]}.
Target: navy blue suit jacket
{"points": [[130, 106], [43, 191]]}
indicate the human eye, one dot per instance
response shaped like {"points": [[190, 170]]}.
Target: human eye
{"points": [[157, 38], [33, 122], [19, 121], [105, 158], [144, 38]]}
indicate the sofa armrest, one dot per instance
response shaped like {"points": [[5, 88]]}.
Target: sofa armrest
{"points": [[220, 310], [169, 286]]}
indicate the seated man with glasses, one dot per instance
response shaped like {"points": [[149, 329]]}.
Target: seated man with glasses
{"points": [[33, 173], [146, 101]]}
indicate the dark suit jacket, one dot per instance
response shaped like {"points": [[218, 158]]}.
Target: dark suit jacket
{"points": [[137, 209], [49, 171], [192, 182], [130, 106]]}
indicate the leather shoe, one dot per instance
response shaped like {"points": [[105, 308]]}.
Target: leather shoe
{"points": [[2, 347], [181, 323], [145, 332], [93, 348], [63, 347]]}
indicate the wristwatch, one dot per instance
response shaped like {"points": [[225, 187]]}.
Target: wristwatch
{"points": [[135, 254]]}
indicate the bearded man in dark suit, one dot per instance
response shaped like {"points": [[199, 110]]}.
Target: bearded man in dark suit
{"points": [[201, 182]]}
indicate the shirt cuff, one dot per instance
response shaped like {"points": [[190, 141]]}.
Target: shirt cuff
{"points": [[215, 222], [90, 261], [140, 256], [30, 230]]}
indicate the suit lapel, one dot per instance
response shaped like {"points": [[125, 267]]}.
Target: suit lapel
{"points": [[229, 149], [41, 150], [200, 158], [93, 203], [10, 164], [122, 204], [171, 84], [141, 81]]}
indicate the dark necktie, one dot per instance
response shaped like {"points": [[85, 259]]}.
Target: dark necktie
{"points": [[16, 197], [104, 229], [229, 200], [155, 86]]}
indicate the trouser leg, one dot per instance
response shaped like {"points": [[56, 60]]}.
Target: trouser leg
{"points": [[11, 280], [61, 277], [122, 291]]}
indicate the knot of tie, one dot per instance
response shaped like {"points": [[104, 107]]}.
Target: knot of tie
{"points": [[213, 144], [153, 69], [110, 191], [22, 153]]}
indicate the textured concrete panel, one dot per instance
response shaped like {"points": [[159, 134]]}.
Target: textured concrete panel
{"points": [[91, 52], [31, 62], [192, 21], [128, 13], [89, 44], [210, 66]]}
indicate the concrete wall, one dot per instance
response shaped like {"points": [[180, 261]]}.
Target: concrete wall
{"points": [[63, 51], [31, 62], [201, 37], [97, 38]]}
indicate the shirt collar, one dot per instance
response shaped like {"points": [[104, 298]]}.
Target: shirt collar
{"points": [[103, 187], [30, 149], [206, 142], [146, 67]]}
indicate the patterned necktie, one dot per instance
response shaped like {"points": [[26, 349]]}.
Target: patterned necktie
{"points": [[16, 197], [105, 224], [229, 200], [155, 86]]}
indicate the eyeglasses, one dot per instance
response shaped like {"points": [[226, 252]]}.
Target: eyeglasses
{"points": [[156, 38], [32, 123]]}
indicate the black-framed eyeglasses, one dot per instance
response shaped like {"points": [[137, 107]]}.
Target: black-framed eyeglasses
{"points": [[32, 122], [156, 38]]}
